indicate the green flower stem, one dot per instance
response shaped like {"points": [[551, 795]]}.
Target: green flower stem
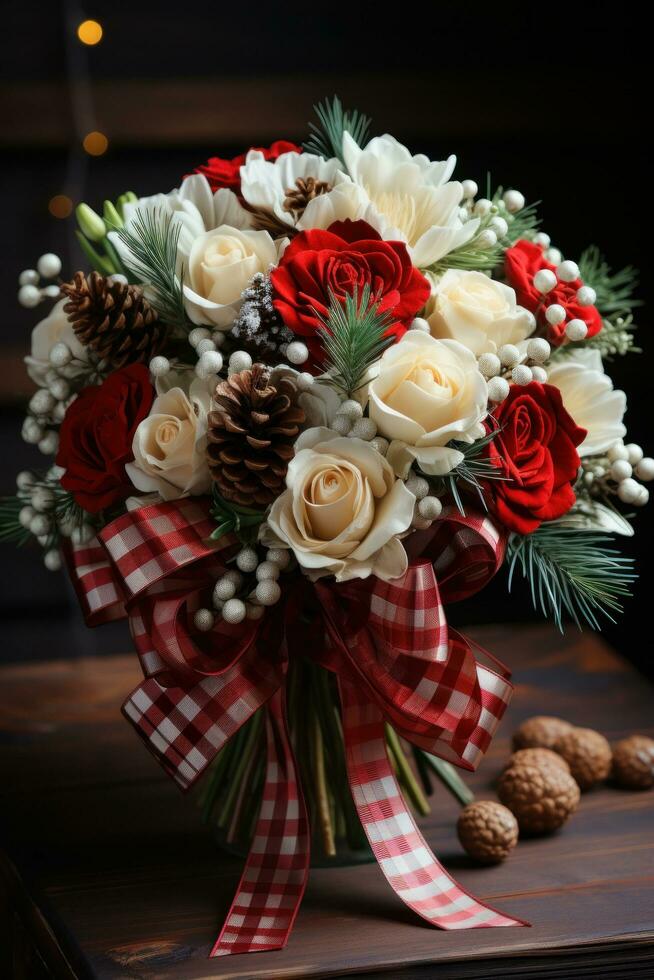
{"points": [[450, 778], [245, 747], [322, 797], [405, 773]]}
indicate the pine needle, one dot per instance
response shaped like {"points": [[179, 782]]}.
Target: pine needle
{"points": [[326, 139], [571, 571], [614, 290], [475, 468], [152, 240], [353, 337]]}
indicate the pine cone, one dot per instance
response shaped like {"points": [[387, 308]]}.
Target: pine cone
{"points": [[113, 318], [251, 436], [258, 328]]}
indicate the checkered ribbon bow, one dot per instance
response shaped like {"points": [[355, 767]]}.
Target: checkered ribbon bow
{"points": [[396, 661]]}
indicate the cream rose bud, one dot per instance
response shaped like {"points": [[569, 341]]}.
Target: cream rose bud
{"points": [[169, 445], [343, 510], [426, 393], [220, 264], [479, 312], [54, 329]]}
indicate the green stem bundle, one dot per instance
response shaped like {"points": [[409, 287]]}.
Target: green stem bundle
{"points": [[231, 794]]}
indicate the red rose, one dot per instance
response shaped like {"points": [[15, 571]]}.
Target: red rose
{"points": [[227, 173], [96, 436], [522, 262], [348, 256], [536, 450]]}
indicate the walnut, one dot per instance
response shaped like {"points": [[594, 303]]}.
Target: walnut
{"points": [[587, 753], [538, 757], [541, 797], [541, 731], [633, 762], [487, 831]]}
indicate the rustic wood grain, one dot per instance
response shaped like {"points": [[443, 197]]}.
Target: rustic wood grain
{"points": [[113, 875]]}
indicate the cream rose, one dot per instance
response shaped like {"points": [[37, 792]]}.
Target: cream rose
{"points": [[343, 510], [220, 265], [54, 329], [426, 393], [479, 312], [169, 445]]}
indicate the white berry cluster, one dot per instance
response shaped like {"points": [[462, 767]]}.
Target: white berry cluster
{"points": [[30, 291], [428, 508], [350, 421], [46, 411], [512, 364], [619, 473], [39, 515], [545, 280], [236, 596], [494, 216]]}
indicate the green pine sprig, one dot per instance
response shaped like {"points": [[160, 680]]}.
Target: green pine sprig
{"points": [[475, 255], [614, 290], [326, 139], [571, 572], [353, 338], [472, 472], [152, 239], [11, 530], [231, 518]]}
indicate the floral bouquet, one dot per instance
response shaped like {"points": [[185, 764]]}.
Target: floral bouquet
{"points": [[296, 406]]}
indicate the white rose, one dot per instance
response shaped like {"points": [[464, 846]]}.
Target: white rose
{"points": [[479, 312], [220, 264], [54, 329], [169, 445], [343, 510], [426, 393]]}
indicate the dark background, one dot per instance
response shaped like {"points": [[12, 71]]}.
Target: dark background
{"points": [[551, 99]]}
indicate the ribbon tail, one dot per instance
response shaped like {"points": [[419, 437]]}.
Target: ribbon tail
{"points": [[404, 856], [270, 891]]}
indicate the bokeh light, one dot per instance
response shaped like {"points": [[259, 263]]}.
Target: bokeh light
{"points": [[60, 206], [90, 32], [95, 143]]}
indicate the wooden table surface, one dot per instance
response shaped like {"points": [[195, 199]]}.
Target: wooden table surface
{"points": [[109, 872]]}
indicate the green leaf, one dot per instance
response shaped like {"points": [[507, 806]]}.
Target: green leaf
{"points": [[231, 518], [353, 337], [571, 571], [326, 139]]}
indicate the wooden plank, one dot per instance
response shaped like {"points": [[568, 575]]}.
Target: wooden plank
{"points": [[219, 111], [130, 883]]}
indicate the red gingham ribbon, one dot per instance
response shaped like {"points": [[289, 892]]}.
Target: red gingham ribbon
{"points": [[396, 660]]}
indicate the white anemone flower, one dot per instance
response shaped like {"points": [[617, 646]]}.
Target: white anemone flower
{"points": [[406, 198], [270, 185], [588, 395]]}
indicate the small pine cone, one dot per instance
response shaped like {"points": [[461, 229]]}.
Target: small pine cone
{"points": [[251, 436], [488, 831], [541, 798], [258, 328], [587, 753], [541, 732], [633, 762], [538, 757], [113, 319]]}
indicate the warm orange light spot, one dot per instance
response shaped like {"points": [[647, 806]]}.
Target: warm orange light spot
{"points": [[95, 143], [60, 206], [89, 32]]}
